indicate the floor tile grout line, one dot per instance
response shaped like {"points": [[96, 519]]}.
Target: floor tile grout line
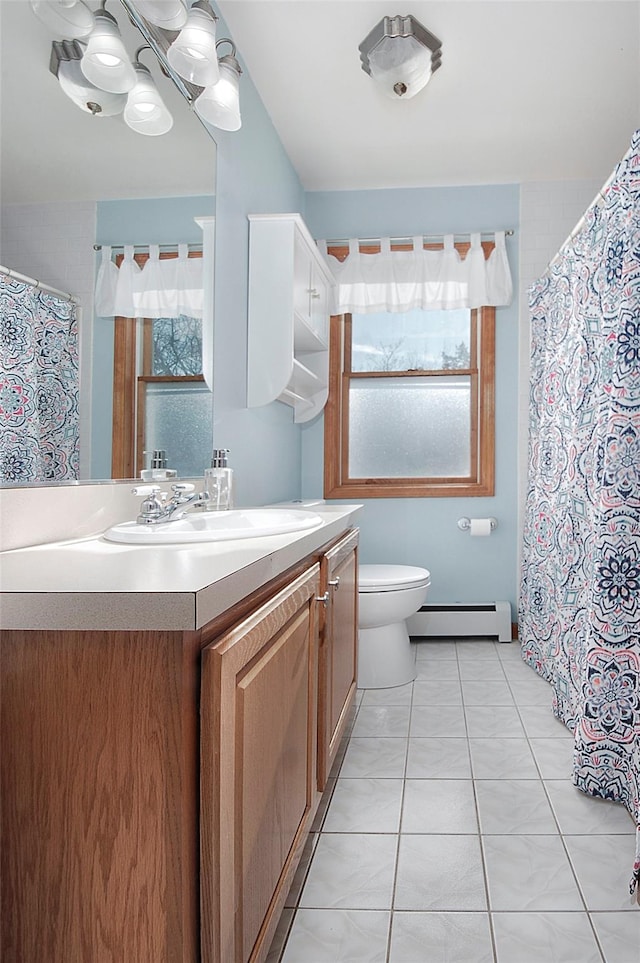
{"points": [[490, 912], [556, 819]]}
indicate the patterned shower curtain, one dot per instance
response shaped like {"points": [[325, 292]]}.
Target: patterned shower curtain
{"points": [[39, 428], [580, 601]]}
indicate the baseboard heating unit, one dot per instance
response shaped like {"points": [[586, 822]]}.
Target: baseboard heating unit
{"points": [[462, 620]]}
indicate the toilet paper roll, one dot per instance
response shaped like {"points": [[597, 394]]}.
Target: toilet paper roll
{"points": [[480, 526]]}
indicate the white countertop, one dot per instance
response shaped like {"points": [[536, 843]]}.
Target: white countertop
{"points": [[91, 583]]}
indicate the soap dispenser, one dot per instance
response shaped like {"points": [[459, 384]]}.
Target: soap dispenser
{"points": [[218, 482], [158, 470]]}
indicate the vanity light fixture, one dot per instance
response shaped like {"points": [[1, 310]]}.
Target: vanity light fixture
{"points": [[401, 55], [193, 53], [145, 111], [168, 14], [219, 104], [65, 65], [106, 62], [69, 18]]}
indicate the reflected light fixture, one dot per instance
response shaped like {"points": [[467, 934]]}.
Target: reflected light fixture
{"points": [[168, 14], [145, 111], [193, 53], [401, 55], [106, 62], [219, 104], [69, 18], [65, 65]]}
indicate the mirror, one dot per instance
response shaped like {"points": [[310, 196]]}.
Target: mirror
{"points": [[70, 180]]}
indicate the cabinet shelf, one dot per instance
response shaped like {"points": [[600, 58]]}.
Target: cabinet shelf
{"points": [[289, 290]]}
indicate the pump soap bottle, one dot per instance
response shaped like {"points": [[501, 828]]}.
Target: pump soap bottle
{"points": [[218, 482], [158, 470]]}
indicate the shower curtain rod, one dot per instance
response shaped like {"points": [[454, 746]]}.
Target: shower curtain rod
{"points": [[596, 202], [145, 247], [425, 237], [39, 285]]}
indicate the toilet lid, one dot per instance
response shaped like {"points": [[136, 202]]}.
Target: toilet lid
{"points": [[391, 578]]}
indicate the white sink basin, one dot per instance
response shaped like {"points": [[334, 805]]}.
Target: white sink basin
{"points": [[216, 526]]}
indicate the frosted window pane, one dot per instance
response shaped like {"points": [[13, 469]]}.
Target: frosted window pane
{"points": [[411, 340], [178, 418], [409, 427]]}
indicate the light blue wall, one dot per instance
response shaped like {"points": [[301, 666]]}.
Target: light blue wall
{"points": [[423, 531], [255, 176], [157, 220]]}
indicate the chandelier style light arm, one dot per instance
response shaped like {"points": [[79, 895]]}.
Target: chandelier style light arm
{"points": [[98, 76]]}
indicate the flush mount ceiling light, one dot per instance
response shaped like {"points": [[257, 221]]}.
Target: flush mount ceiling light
{"points": [[106, 62], [219, 104], [145, 111], [193, 53], [168, 14], [69, 18], [65, 65], [401, 55]]}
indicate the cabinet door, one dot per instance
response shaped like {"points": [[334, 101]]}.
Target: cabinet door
{"points": [[302, 279], [319, 305], [258, 778], [338, 649]]}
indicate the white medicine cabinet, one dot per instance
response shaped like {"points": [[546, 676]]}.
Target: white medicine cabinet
{"points": [[290, 287]]}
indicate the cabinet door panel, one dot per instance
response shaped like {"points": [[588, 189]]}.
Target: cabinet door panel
{"points": [[258, 786], [271, 763], [338, 650]]}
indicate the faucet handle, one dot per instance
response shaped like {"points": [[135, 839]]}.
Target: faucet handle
{"points": [[145, 490], [183, 487]]}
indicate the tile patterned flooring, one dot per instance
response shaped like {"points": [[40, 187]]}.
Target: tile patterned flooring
{"points": [[451, 831]]}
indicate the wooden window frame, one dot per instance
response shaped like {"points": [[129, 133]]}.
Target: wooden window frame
{"points": [[129, 387], [480, 482]]}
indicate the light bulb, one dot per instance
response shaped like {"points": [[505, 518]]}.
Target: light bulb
{"points": [[145, 111], [193, 53], [69, 18], [168, 14], [220, 104], [105, 62]]}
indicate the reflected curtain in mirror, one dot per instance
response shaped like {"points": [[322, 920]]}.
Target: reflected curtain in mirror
{"points": [[39, 385], [160, 399]]}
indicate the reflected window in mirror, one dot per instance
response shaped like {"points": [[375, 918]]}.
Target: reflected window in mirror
{"points": [[160, 398]]}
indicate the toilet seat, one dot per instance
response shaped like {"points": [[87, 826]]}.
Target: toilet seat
{"points": [[391, 578]]}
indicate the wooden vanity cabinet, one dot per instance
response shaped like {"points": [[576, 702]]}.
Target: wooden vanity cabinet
{"points": [[157, 787], [337, 661], [258, 769]]}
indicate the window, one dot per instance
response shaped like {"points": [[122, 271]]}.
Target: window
{"points": [[160, 398], [411, 405]]}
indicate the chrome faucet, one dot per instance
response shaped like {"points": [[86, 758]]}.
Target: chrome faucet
{"points": [[155, 508]]}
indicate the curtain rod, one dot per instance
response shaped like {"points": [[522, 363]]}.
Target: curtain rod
{"points": [[39, 285], [193, 246], [596, 202], [425, 237]]}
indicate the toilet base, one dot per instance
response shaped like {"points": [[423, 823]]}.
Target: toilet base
{"points": [[385, 657]]}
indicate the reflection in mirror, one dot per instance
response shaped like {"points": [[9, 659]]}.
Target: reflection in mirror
{"points": [[71, 180]]}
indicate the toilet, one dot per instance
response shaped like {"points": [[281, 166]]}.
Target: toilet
{"points": [[387, 596]]}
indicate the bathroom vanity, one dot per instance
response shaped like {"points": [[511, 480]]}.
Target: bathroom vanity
{"points": [[165, 745]]}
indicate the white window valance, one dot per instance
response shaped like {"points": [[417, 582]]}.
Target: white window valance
{"points": [[162, 288], [432, 280]]}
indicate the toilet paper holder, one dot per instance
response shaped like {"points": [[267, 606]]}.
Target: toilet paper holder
{"points": [[464, 524]]}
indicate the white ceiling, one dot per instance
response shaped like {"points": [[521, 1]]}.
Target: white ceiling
{"points": [[528, 90], [542, 90]]}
